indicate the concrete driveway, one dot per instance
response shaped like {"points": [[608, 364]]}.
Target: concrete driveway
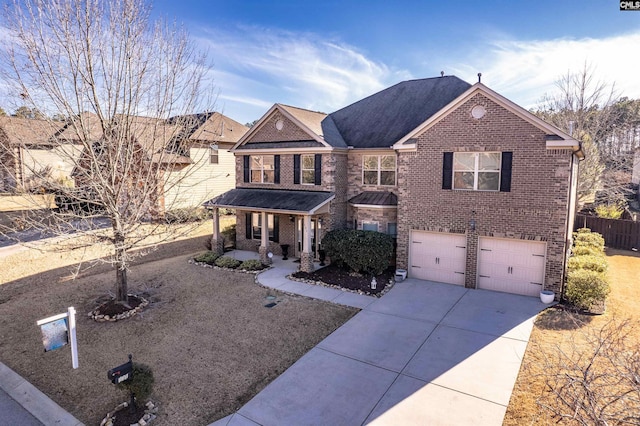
{"points": [[424, 353]]}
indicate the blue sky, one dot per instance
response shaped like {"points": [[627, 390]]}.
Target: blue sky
{"points": [[325, 55]]}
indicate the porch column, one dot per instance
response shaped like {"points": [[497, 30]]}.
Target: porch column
{"points": [[217, 242], [306, 257], [264, 239]]}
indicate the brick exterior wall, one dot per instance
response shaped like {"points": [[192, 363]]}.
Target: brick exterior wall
{"points": [[535, 209], [382, 216]]}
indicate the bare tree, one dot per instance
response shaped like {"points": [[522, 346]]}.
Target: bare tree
{"points": [[120, 77], [607, 127], [597, 380]]}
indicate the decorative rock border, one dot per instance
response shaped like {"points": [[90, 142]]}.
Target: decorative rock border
{"points": [[96, 316], [150, 413], [337, 287], [244, 271]]}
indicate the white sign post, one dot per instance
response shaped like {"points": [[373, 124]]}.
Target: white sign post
{"points": [[60, 330]]}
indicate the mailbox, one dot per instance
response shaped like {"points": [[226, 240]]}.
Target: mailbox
{"points": [[121, 373]]}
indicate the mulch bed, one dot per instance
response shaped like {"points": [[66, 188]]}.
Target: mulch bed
{"points": [[341, 277]]}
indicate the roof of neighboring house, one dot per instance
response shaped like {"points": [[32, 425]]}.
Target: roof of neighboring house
{"points": [[382, 119], [20, 131], [287, 144], [375, 198], [272, 199], [212, 127]]}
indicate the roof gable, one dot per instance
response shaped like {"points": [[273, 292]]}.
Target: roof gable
{"points": [[283, 124], [381, 119], [555, 137]]}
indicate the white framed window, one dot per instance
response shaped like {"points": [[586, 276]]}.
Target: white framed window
{"points": [[213, 154], [262, 169], [256, 226], [308, 169], [370, 226], [477, 171], [379, 170]]}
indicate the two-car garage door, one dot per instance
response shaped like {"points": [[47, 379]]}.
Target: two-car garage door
{"points": [[508, 265]]}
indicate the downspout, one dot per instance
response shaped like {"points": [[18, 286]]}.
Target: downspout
{"points": [[568, 232]]}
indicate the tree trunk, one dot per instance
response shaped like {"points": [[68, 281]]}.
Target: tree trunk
{"points": [[121, 268]]}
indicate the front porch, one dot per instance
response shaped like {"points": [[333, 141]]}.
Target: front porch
{"points": [[275, 222]]}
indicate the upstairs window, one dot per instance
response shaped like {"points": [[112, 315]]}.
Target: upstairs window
{"points": [[308, 169], [213, 154], [379, 170], [262, 169], [476, 171]]}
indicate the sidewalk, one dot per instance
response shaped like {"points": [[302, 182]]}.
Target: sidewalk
{"points": [[21, 404]]}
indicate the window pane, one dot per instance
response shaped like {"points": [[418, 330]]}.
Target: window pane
{"points": [[463, 180], [488, 181], [268, 161], [388, 162], [392, 229], [388, 178], [256, 176], [269, 176], [213, 158], [255, 225], [489, 161], [370, 162], [370, 226], [308, 162], [270, 222], [464, 161], [370, 178], [308, 176], [256, 162]]}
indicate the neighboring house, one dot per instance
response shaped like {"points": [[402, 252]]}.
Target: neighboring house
{"points": [[197, 167], [28, 157], [212, 168], [478, 191]]}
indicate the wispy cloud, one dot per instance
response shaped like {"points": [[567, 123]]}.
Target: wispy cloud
{"points": [[257, 66], [526, 70]]}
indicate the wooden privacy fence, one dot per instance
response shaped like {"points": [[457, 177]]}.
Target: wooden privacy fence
{"points": [[617, 233]]}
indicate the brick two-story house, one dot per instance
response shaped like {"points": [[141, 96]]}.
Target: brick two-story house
{"points": [[478, 191]]}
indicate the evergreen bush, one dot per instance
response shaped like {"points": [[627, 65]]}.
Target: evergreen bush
{"points": [[227, 262], [367, 252], [586, 288]]}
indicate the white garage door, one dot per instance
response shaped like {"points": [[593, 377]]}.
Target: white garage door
{"points": [[437, 257], [512, 266]]}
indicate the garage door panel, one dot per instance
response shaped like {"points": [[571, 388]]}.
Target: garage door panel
{"points": [[438, 257], [513, 266]]}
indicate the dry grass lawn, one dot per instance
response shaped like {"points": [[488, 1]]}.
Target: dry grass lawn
{"points": [[209, 339], [559, 330]]}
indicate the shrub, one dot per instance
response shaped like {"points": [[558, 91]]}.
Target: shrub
{"points": [[588, 239], [141, 383], [586, 251], [609, 211], [363, 251], [586, 288], [251, 265], [589, 262], [227, 262], [207, 257]]}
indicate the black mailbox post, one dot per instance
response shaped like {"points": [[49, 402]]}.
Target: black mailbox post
{"points": [[121, 373]]}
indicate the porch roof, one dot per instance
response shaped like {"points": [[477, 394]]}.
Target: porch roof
{"points": [[273, 200], [375, 198]]}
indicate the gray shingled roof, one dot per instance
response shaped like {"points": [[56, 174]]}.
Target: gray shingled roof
{"points": [[382, 119], [271, 199], [375, 198]]}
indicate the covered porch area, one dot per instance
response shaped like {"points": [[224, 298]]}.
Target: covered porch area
{"points": [[275, 222]]}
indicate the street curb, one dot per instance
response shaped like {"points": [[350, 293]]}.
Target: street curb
{"points": [[33, 400]]}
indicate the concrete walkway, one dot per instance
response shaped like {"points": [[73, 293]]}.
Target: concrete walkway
{"points": [[424, 353]]}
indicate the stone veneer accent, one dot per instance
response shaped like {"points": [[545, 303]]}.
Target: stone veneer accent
{"points": [[306, 262]]}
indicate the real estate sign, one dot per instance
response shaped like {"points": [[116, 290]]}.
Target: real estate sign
{"points": [[58, 331]]}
